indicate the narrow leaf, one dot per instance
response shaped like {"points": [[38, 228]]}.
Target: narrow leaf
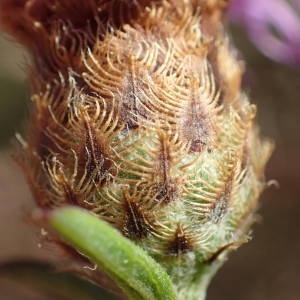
{"points": [[132, 268]]}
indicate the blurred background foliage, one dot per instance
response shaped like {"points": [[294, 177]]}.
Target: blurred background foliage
{"points": [[13, 89], [266, 268]]}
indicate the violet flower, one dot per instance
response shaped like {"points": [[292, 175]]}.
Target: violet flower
{"points": [[272, 25]]}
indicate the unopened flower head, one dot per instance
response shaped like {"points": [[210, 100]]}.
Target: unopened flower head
{"points": [[138, 116]]}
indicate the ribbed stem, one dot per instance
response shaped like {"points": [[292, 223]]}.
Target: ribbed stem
{"points": [[191, 277], [198, 289]]}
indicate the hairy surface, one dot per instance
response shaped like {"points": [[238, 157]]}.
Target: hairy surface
{"points": [[138, 116]]}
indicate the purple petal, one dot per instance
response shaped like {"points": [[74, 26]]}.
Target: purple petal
{"points": [[258, 16]]}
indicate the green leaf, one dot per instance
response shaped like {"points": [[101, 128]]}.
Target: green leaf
{"points": [[132, 268], [45, 279]]}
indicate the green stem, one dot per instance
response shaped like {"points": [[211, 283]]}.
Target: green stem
{"points": [[197, 289]]}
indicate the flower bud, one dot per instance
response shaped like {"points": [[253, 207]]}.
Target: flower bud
{"points": [[138, 116]]}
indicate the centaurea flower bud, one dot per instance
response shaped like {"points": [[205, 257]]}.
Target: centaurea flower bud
{"points": [[138, 116]]}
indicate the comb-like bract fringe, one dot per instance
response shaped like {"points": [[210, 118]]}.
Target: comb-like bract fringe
{"points": [[138, 116]]}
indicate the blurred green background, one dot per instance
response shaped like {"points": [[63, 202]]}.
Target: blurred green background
{"points": [[266, 268]]}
